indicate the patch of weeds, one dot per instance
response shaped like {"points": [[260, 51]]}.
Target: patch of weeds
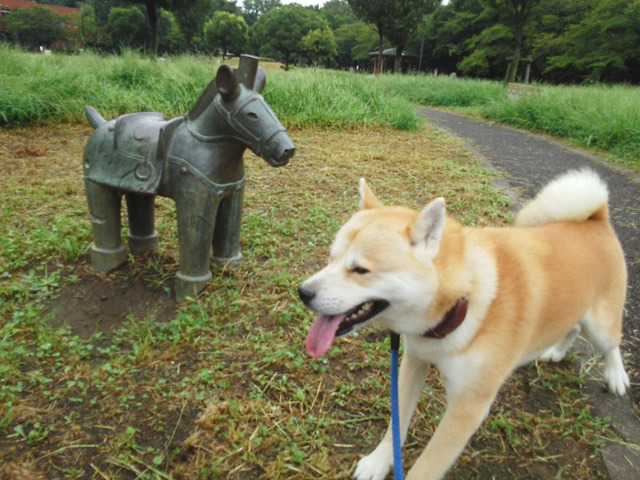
{"points": [[36, 433]]}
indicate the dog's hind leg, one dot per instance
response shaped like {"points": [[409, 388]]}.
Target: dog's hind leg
{"points": [[614, 373], [604, 330], [556, 352], [413, 374]]}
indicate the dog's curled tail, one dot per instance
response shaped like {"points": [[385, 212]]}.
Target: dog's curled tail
{"points": [[577, 195]]}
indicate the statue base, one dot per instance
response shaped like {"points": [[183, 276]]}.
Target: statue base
{"points": [[139, 245], [222, 261], [105, 259], [188, 286]]}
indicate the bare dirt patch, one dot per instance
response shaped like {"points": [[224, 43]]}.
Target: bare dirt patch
{"points": [[98, 303]]}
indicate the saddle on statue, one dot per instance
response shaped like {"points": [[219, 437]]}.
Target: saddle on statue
{"points": [[134, 151]]}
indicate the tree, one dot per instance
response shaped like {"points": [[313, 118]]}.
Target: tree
{"points": [[101, 9], [337, 13], [354, 41], [170, 38], [320, 45], [190, 18], [487, 50], [124, 24], [448, 29], [34, 26], [282, 29], [404, 19], [549, 24], [374, 12], [518, 13], [227, 31], [604, 45], [366, 41], [63, 3], [91, 34], [152, 7], [224, 6], [254, 9]]}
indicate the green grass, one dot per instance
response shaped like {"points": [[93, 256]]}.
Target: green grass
{"points": [[603, 118], [59, 86], [323, 98], [606, 118], [443, 91], [221, 387], [92, 386]]}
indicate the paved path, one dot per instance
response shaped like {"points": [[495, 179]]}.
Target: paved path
{"points": [[529, 162]]}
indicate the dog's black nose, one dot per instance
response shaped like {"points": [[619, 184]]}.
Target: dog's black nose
{"points": [[306, 295]]}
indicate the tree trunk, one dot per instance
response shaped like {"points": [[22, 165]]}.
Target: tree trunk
{"points": [[379, 63], [397, 67], [515, 61], [153, 23], [513, 69], [519, 11]]}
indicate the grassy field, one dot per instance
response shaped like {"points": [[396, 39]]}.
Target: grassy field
{"points": [[104, 376], [603, 118]]}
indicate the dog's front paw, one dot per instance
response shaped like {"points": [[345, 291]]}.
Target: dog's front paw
{"points": [[375, 466]]}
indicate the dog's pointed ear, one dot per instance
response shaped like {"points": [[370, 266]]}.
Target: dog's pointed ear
{"points": [[428, 227], [367, 198]]}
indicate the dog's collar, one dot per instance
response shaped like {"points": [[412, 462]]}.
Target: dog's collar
{"points": [[451, 320]]}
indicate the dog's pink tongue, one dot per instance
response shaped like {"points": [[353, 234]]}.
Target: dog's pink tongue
{"points": [[322, 333]]}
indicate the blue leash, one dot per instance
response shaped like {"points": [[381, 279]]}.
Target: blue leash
{"points": [[395, 410]]}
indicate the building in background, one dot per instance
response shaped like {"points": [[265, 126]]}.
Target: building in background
{"points": [[71, 19]]}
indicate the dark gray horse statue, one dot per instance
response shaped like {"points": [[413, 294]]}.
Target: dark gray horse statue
{"points": [[195, 159]]}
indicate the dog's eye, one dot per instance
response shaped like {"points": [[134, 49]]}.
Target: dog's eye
{"points": [[359, 270]]}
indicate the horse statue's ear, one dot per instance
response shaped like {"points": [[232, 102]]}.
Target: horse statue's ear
{"points": [[227, 82], [261, 80]]}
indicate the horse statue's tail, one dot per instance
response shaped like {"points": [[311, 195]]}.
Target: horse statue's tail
{"points": [[95, 119]]}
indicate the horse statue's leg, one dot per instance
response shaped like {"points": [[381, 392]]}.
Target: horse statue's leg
{"points": [[142, 235], [196, 206], [226, 236], [107, 251]]}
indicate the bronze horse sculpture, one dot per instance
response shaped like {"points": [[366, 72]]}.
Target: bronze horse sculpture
{"points": [[196, 160]]}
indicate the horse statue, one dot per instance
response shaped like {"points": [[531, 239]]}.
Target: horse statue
{"points": [[196, 160]]}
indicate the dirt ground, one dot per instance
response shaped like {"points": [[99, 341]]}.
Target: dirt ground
{"points": [[151, 402]]}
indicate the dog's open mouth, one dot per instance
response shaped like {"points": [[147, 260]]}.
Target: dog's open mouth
{"points": [[360, 314], [327, 327]]}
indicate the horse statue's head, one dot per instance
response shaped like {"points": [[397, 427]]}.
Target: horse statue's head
{"points": [[232, 107]]}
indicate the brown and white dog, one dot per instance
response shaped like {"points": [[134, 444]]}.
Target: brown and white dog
{"points": [[475, 302]]}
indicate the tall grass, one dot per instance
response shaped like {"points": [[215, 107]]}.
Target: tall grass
{"points": [[601, 117], [442, 91], [337, 100], [35, 88]]}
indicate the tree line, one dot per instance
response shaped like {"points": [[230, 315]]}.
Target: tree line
{"points": [[572, 41]]}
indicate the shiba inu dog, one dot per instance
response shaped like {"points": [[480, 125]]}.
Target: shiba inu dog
{"points": [[475, 302]]}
